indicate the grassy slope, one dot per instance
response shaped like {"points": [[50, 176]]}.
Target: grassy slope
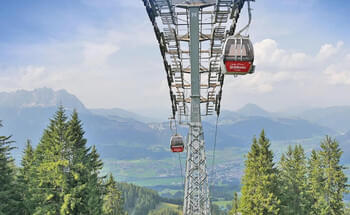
{"points": [[176, 208]]}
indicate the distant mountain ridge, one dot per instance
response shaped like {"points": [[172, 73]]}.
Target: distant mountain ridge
{"points": [[127, 141], [118, 112], [337, 117], [41, 97], [252, 110], [126, 135]]}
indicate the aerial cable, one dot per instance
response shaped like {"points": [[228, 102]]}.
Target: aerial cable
{"points": [[213, 168], [181, 171], [175, 126], [182, 177], [172, 125], [249, 20]]}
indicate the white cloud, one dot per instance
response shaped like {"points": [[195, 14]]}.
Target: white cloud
{"points": [[31, 74], [287, 78], [339, 72], [112, 68], [329, 50], [104, 67], [259, 83], [273, 66], [269, 55], [97, 54]]}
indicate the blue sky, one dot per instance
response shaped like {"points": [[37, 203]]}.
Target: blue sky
{"points": [[302, 47]]}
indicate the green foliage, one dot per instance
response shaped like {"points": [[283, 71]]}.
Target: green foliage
{"points": [[138, 200], [235, 205], [347, 209], [316, 187], [94, 183], [327, 179], [9, 197], [215, 210], [25, 178], [293, 181], [62, 175], [315, 183], [259, 183], [113, 200], [51, 167]]}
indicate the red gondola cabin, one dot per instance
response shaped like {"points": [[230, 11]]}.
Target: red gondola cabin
{"points": [[238, 56], [176, 143]]}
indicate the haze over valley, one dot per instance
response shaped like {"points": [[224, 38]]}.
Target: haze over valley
{"points": [[136, 147]]}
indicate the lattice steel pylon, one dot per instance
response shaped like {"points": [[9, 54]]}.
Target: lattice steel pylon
{"points": [[190, 39]]}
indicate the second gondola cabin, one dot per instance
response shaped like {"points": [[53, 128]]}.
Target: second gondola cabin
{"points": [[238, 56], [176, 143]]}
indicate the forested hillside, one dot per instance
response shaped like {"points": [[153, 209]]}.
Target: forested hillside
{"points": [[62, 175], [296, 184], [139, 200]]}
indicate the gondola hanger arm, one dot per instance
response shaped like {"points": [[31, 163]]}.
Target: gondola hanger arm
{"points": [[249, 21]]}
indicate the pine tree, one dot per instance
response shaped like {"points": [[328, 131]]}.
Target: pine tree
{"points": [[65, 172], [334, 183], [113, 202], [95, 187], [235, 205], [25, 178], [76, 152], [293, 181], [9, 198], [51, 166], [315, 184], [327, 180], [347, 209], [259, 183]]}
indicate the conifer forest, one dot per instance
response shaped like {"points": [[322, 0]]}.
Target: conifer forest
{"points": [[62, 175]]}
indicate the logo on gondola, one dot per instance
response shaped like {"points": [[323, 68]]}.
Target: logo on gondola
{"points": [[235, 66]]}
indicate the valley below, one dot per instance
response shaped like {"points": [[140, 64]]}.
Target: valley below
{"points": [[136, 149]]}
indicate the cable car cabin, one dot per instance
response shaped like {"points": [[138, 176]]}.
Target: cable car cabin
{"points": [[238, 56], [176, 143]]}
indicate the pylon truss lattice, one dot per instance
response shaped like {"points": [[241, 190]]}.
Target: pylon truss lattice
{"points": [[217, 20]]}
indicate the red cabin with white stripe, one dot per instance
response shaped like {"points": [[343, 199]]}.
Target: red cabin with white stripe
{"points": [[177, 143], [238, 56]]}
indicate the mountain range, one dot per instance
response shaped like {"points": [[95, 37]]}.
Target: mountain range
{"points": [[126, 135], [42, 97]]}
